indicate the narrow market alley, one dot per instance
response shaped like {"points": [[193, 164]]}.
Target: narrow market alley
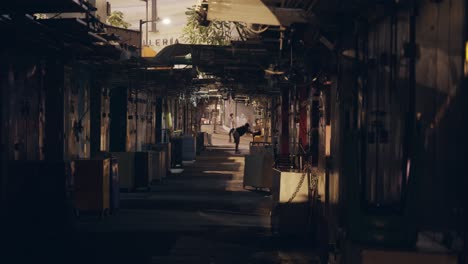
{"points": [[234, 131], [202, 215]]}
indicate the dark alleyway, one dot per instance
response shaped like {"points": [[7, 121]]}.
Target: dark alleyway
{"points": [[351, 117], [202, 215]]}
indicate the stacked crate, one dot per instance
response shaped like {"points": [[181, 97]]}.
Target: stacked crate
{"points": [[126, 170], [258, 168], [188, 148], [91, 187]]}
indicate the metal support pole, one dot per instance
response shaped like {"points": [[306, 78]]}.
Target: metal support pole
{"points": [[146, 41], [159, 120], [95, 117], [54, 112], [141, 34], [235, 115], [284, 137], [118, 126], [303, 100], [136, 119], [4, 135], [154, 15], [216, 116], [141, 39]]}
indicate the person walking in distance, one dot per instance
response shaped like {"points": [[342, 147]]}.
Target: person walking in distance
{"points": [[232, 124], [239, 132]]}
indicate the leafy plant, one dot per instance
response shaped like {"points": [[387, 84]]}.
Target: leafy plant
{"points": [[199, 31], [116, 19]]}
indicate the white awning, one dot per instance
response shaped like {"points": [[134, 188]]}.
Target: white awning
{"points": [[247, 11]]}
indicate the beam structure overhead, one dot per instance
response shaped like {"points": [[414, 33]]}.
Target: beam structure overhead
{"points": [[46, 6]]}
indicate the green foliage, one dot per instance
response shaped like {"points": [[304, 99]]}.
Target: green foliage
{"points": [[213, 33], [116, 19]]}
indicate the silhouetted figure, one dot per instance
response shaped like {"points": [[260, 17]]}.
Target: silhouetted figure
{"points": [[239, 132], [231, 123]]}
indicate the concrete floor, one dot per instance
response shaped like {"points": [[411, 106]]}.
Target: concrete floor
{"points": [[203, 215]]}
